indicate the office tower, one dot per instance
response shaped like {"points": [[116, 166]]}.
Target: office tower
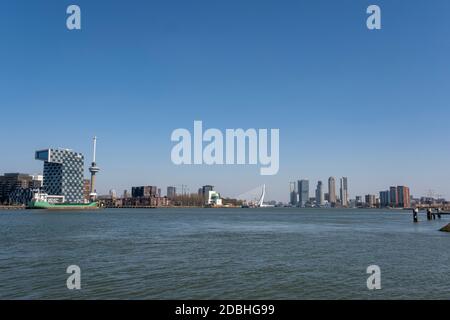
{"points": [[403, 197], [303, 192], [293, 198], [63, 173], [344, 191], [319, 194], [370, 200], [385, 198], [205, 190], [393, 196], [293, 194], [171, 192], [358, 200], [332, 190], [144, 191], [9, 182]]}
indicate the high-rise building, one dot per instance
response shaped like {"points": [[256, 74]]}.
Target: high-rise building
{"points": [[358, 201], [63, 173], [293, 194], [303, 192], [344, 191], [9, 182], [393, 196], [171, 192], [319, 194], [403, 197], [332, 190], [370, 200], [385, 198], [144, 191], [204, 191]]}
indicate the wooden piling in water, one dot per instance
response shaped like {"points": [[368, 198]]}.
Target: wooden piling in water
{"points": [[429, 214], [415, 212]]}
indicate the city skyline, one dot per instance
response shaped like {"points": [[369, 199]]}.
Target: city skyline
{"points": [[298, 196], [312, 69]]}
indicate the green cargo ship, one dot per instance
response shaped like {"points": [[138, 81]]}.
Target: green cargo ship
{"points": [[62, 206], [48, 202]]}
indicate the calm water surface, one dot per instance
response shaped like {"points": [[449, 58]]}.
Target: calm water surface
{"points": [[272, 253]]}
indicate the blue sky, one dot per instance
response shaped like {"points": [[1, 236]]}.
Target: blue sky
{"points": [[370, 105]]}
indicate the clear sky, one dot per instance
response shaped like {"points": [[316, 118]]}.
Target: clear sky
{"points": [[370, 105]]}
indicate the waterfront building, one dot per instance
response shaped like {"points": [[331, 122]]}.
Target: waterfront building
{"points": [[371, 200], [144, 191], [171, 192], [293, 197], [344, 191], [17, 188], [214, 198], [37, 181], [385, 198], [204, 191], [86, 189], [358, 200], [303, 192], [293, 194], [20, 196], [332, 190], [63, 173], [319, 194], [403, 197], [12, 181], [393, 197]]}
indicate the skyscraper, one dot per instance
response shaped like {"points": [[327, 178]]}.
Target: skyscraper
{"points": [[384, 198], [332, 190], [63, 173], [293, 194], [303, 192], [403, 197], [144, 191], [319, 194], [344, 191], [204, 191], [393, 196], [370, 200], [171, 192]]}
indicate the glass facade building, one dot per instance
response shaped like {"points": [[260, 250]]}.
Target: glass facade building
{"points": [[63, 173], [303, 192]]}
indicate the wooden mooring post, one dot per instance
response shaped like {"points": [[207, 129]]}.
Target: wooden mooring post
{"points": [[415, 215]]}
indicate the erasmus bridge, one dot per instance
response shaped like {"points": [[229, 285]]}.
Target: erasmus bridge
{"points": [[254, 198]]}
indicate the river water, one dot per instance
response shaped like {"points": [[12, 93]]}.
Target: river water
{"points": [[267, 253]]}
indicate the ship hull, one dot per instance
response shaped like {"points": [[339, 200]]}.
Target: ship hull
{"points": [[63, 206]]}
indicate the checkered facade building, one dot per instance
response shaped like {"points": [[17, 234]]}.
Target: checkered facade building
{"points": [[63, 173]]}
